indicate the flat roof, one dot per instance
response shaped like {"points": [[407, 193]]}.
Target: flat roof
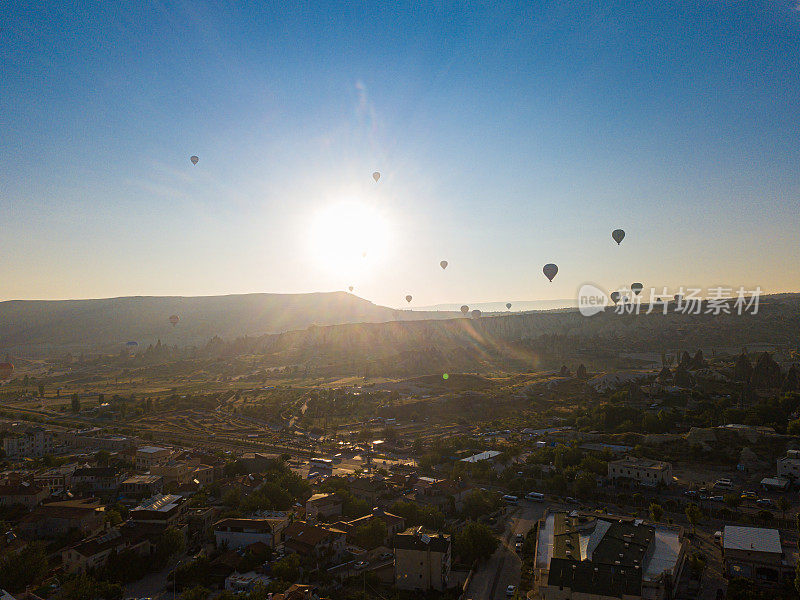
{"points": [[163, 503], [488, 454], [152, 449], [751, 539]]}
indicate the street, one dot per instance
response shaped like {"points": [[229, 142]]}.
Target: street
{"points": [[504, 567]]}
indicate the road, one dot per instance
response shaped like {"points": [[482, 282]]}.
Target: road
{"points": [[504, 567]]}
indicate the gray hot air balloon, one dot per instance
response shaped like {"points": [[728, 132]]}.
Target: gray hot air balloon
{"points": [[465, 309], [618, 235], [443, 264], [476, 313], [550, 270], [376, 175], [409, 298], [508, 305], [636, 288], [615, 297], [194, 159]]}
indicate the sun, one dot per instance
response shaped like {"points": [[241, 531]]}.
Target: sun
{"points": [[347, 236]]}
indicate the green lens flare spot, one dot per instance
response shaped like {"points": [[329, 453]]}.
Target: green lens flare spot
{"points": [[445, 376]]}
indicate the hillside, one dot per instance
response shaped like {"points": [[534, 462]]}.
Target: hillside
{"points": [[94, 325]]}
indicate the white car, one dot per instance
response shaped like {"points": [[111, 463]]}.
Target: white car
{"points": [[510, 590]]}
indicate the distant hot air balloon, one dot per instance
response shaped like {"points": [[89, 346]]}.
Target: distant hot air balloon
{"points": [[476, 313], [465, 309], [615, 297], [550, 270], [194, 159], [443, 264], [376, 175], [636, 288], [6, 369], [409, 298], [174, 319], [618, 235], [508, 305], [350, 288]]}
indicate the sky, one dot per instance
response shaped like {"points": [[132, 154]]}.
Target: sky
{"points": [[507, 136]]}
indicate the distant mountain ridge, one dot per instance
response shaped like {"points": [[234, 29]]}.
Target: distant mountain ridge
{"points": [[34, 326]]}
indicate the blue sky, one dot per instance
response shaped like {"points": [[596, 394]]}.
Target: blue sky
{"points": [[507, 136]]}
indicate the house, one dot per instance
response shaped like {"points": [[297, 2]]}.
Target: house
{"points": [[94, 552], [789, 465], [442, 493], [257, 462], [368, 489], [394, 524], [163, 509], [56, 479], [298, 591], [149, 456], [644, 471], [94, 439], [181, 472], [237, 533], [323, 506], [756, 553], [142, 486], [245, 582], [97, 480], [23, 493], [421, 560], [28, 442], [52, 519], [321, 543], [594, 556]]}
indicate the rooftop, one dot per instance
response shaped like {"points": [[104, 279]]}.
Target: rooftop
{"points": [[161, 503], [751, 539]]}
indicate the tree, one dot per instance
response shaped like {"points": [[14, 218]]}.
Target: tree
{"points": [[784, 505], [584, 484], [41, 390], [656, 512], [287, 568], [481, 502], [733, 500], [196, 593], [474, 542], [76, 403], [694, 514], [371, 534], [86, 587], [171, 543], [21, 569]]}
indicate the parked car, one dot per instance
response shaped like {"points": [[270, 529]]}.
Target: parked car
{"points": [[750, 495], [765, 502], [510, 590]]}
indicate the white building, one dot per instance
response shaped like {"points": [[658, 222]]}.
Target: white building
{"points": [[789, 465], [238, 533], [645, 471], [148, 457], [33, 442]]}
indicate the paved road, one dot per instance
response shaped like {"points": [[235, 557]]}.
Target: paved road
{"points": [[504, 567]]}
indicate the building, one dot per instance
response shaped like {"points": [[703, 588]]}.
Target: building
{"points": [[181, 472], [323, 506], [23, 493], [394, 524], [52, 519], [421, 560], [93, 439], [644, 471], [94, 552], [592, 556], [245, 582], [142, 486], [487, 455], [756, 553], [56, 479], [162, 509], [97, 480], [789, 465], [149, 456], [31, 442], [237, 533], [324, 544]]}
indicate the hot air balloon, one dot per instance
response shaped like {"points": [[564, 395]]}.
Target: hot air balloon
{"points": [[550, 270], [618, 235], [409, 298], [174, 319], [443, 264], [376, 175], [465, 309], [476, 313], [636, 288], [194, 160], [6, 369], [508, 305], [350, 288], [615, 297]]}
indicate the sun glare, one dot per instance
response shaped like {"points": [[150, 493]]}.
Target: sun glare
{"points": [[348, 236]]}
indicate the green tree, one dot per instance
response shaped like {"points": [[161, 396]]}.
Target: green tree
{"points": [[694, 514], [474, 542], [26, 567], [196, 593], [171, 543], [656, 512], [481, 502], [86, 587], [76, 403], [287, 568], [733, 500], [371, 534], [784, 505]]}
